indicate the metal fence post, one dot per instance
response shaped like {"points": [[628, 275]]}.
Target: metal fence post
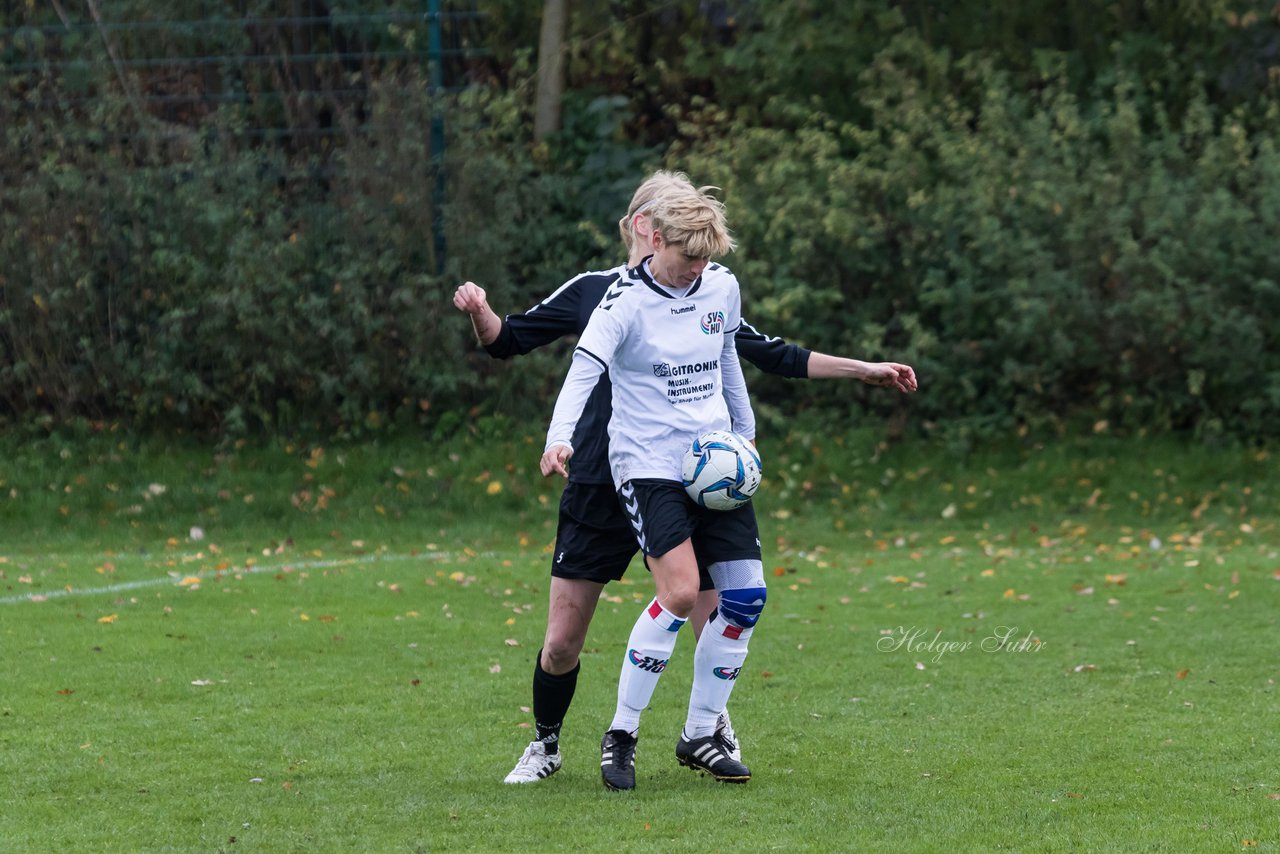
{"points": [[435, 59]]}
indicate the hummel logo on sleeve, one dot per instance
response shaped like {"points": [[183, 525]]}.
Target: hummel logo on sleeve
{"points": [[613, 293]]}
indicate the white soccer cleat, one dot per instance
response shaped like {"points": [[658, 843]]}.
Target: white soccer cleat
{"points": [[536, 764], [727, 737]]}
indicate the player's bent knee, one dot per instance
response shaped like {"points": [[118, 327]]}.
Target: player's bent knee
{"points": [[742, 590], [679, 600], [560, 656], [742, 606], [562, 645]]}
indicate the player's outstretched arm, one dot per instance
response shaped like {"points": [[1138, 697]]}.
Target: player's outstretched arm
{"points": [[901, 377], [471, 298]]}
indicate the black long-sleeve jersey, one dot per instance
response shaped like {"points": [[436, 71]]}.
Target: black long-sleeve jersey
{"points": [[567, 311]]}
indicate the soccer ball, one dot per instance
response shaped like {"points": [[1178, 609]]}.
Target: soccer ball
{"points": [[720, 470]]}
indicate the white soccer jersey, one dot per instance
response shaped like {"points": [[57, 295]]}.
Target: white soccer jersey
{"points": [[675, 372]]}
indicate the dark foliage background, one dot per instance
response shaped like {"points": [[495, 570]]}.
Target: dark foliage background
{"points": [[1057, 212]]}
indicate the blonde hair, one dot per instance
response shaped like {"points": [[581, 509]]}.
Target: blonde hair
{"points": [[693, 220], [660, 183]]}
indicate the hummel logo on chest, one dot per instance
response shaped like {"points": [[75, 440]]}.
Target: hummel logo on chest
{"points": [[685, 310]]}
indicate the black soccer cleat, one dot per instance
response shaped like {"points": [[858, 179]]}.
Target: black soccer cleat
{"points": [[708, 754], [618, 760]]}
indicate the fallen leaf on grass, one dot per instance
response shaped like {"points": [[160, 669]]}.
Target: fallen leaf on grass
{"points": [[109, 618], [1084, 668], [1182, 674]]}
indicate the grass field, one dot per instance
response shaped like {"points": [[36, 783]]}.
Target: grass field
{"points": [[1051, 647]]}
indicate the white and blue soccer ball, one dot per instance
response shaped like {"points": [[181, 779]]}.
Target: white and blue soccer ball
{"points": [[721, 470]]}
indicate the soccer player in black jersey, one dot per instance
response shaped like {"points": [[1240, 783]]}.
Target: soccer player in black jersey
{"points": [[595, 542]]}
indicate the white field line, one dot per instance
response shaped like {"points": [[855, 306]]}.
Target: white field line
{"points": [[177, 578]]}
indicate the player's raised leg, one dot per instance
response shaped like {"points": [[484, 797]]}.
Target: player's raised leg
{"points": [[703, 611], [718, 660], [729, 545]]}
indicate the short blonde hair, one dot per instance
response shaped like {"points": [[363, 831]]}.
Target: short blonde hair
{"points": [[693, 220], [657, 184]]}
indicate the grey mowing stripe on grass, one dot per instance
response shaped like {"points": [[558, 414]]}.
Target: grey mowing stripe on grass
{"points": [[37, 596]]}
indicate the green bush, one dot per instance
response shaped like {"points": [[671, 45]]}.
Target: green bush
{"points": [[1035, 259], [1047, 233]]}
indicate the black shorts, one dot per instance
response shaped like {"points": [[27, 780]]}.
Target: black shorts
{"points": [[594, 539], [663, 516]]}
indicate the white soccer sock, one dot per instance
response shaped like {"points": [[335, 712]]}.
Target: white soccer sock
{"points": [[716, 663], [653, 639]]}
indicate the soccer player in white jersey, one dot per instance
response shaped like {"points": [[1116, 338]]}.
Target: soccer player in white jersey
{"points": [[665, 333], [594, 541]]}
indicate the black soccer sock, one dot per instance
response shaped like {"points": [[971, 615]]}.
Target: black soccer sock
{"points": [[551, 698]]}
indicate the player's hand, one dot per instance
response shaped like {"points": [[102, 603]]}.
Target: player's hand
{"points": [[554, 459], [901, 377], [470, 298]]}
